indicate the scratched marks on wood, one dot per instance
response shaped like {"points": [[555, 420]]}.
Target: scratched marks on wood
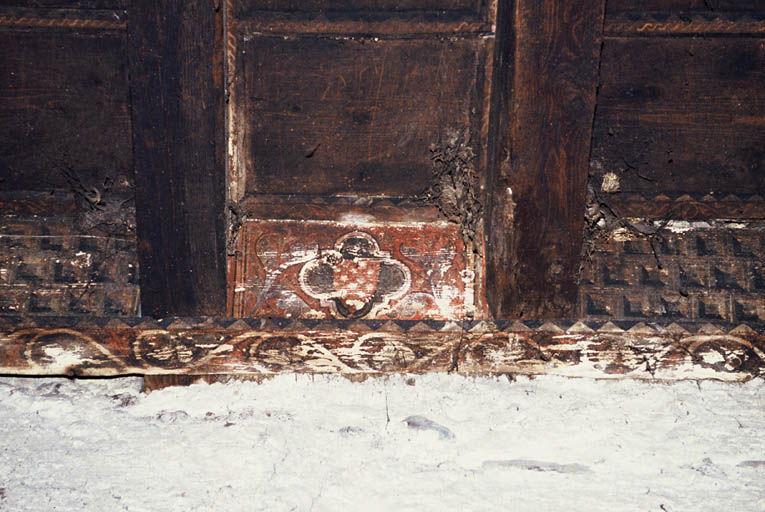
{"points": [[217, 346], [333, 116], [306, 269], [64, 112], [681, 116]]}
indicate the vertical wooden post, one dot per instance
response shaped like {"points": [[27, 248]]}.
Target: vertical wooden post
{"points": [[176, 76], [549, 52]]}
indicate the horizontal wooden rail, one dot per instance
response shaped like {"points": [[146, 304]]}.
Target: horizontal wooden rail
{"points": [[78, 346]]}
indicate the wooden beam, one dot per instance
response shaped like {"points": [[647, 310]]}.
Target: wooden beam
{"points": [[550, 51], [262, 347], [176, 74]]}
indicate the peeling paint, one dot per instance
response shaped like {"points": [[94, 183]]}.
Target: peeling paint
{"points": [[316, 270], [356, 349]]}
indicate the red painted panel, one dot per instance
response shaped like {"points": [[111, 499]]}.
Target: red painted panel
{"points": [[322, 269]]}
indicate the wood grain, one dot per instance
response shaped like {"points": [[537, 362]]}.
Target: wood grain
{"points": [[708, 7], [679, 116], [367, 16], [64, 111], [176, 71], [541, 153], [686, 208], [67, 4], [356, 8], [74, 19], [328, 116]]}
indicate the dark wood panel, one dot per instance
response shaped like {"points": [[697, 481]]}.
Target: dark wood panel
{"points": [[330, 10], [711, 7], [329, 116], [367, 17], [175, 59], [541, 151], [64, 113], [66, 4], [682, 116]]}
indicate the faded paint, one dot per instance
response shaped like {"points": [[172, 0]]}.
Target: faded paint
{"points": [[203, 347], [327, 269]]}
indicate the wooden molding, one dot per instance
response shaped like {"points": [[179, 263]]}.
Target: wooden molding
{"points": [[663, 24], [686, 207], [79, 19], [249, 347]]}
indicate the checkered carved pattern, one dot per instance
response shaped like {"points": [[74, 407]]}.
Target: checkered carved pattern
{"points": [[47, 267], [708, 274]]}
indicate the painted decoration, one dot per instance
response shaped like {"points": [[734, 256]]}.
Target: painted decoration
{"points": [[320, 269]]}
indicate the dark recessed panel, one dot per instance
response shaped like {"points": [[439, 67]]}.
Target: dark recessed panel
{"points": [[710, 7], [437, 10], [64, 113], [682, 115], [66, 4], [334, 116]]}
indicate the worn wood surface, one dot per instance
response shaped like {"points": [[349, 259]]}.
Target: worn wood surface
{"points": [[339, 208], [51, 265], [329, 116], [687, 207], [66, 4], [666, 7], [79, 19], [360, 8], [676, 270], [176, 89], [24, 203], [205, 346], [64, 112], [684, 17], [368, 18], [540, 173], [682, 116]]}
